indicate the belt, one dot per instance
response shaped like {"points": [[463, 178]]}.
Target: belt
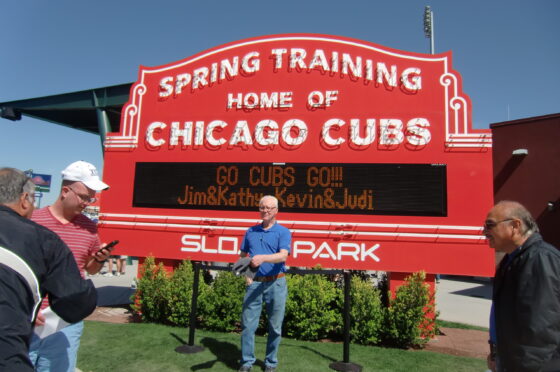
{"points": [[270, 278]]}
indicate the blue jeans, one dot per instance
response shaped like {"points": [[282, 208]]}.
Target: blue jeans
{"points": [[273, 294], [57, 352]]}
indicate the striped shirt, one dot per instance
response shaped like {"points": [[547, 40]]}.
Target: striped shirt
{"points": [[80, 235]]}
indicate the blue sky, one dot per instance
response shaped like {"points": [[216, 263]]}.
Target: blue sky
{"points": [[507, 52]]}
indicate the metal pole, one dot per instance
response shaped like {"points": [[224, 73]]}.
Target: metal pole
{"points": [[194, 297], [432, 45], [346, 352], [345, 365], [190, 347], [103, 124], [429, 27]]}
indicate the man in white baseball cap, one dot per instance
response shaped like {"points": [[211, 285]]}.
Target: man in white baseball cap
{"points": [[80, 182], [86, 173]]}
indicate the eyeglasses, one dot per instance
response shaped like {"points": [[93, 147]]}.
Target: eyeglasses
{"points": [[266, 209], [489, 225], [84, 198]]}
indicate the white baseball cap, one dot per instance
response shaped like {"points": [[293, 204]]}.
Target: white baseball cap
{"points": [[85, 173]]}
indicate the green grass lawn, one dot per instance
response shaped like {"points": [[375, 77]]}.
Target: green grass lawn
{"points": [[444, 323], [151, 347]]}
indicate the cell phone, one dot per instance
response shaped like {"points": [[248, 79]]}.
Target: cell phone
{"points": [[109, 246]]}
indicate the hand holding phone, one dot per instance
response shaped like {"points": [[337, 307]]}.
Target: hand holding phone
{"points": [[108, 247]]}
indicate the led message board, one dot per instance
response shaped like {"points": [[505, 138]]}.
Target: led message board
{"points": [[370, 151], [389, 189]]}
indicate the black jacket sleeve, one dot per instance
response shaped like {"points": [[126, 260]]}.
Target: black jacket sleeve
{"points": [[538, 312], [71, 297]]}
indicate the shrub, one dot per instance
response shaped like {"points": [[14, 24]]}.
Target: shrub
{"points": [[162, 297], [311, 309], [220, 306], [407, 316], [179, 294], [367, 312], [150, 300]]}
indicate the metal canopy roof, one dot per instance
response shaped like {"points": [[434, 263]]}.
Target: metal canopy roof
{"points": [[95, 110]]}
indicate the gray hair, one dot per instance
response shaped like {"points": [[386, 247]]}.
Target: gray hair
{"points": [[273, 198], [518, 211], [13, 183]]}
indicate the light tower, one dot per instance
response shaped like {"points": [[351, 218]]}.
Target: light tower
{"points": [[429, 27]]}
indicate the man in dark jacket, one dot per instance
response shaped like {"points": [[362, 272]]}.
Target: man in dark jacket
{"points": [[526, 291], [33, 262]]}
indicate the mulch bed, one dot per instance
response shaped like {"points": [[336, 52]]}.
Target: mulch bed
{"points": [[461, 342]]}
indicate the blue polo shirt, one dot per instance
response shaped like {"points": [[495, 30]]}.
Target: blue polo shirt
{"points": [[260, 241]]}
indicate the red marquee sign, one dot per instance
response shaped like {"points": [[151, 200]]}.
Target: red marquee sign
{"points": [[369, 150]]}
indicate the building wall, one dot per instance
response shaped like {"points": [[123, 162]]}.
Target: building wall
{"points": [[532, 179]]}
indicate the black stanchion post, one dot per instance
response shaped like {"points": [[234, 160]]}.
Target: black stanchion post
{"points": [[191, 348], [347, 325], [345, 365], [194, 301]]}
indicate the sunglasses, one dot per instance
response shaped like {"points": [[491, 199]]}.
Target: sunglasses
{"points": [[489, 225]]}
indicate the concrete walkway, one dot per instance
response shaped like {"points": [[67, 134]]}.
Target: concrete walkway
{"points": [[464, 300], [115, 290]]}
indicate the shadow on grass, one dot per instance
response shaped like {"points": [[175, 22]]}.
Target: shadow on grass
{"points": [[225, 352], [178, 338], [228, 353], [307, 348]]}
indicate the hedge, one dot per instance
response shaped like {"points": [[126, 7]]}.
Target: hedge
{"points": [[313, 308]]}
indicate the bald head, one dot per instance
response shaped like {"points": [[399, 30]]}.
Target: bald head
{"points": [[508, 225], [515, 210]]}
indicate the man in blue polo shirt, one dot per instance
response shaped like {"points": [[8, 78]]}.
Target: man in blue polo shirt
{"points": [[268, 245]]}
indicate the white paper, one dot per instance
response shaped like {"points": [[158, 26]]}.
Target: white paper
{"points": [[53, 323]]}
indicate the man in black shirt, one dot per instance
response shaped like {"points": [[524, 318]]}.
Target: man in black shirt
{"points": [[33, 262], [526, 294]]}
